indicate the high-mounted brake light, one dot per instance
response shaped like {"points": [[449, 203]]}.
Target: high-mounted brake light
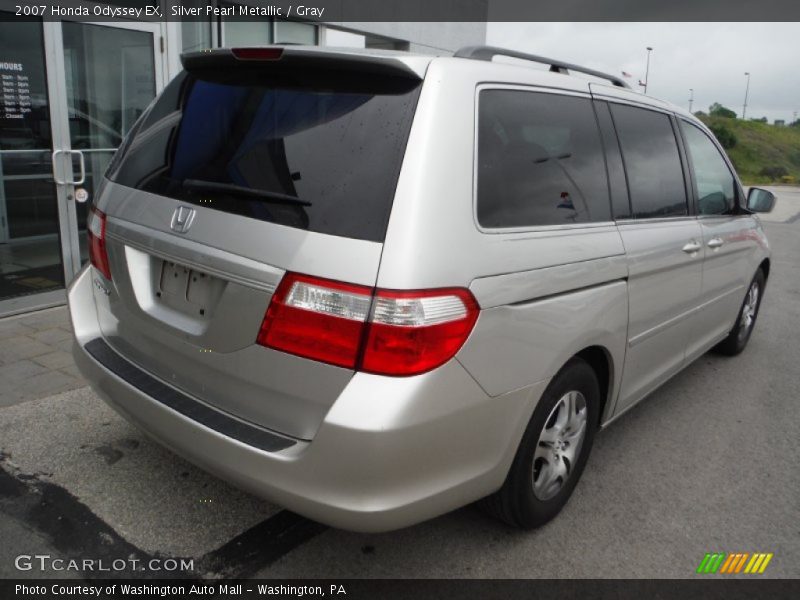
{"points": [[96, 232], [257, 53], [385, 332]]}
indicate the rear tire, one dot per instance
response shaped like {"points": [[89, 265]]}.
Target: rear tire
{"points": [[553, 450], [743, 328]]}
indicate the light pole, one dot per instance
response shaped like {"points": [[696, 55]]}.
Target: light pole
{"points": [[691, 98], [647, 70], [746, 91]]}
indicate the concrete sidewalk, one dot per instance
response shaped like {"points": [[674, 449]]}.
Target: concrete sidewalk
{"points": [[35, 356]]}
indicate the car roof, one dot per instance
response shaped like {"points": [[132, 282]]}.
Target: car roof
{"points": [[414, 63]]}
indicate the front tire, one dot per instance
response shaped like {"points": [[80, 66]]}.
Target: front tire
{"points": [[553, 450], [743, 328]]}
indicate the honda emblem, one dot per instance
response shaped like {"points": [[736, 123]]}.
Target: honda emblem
{"points": [[182, 219]]}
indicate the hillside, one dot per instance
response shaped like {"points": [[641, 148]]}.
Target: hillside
{"points": [[763, 153]]}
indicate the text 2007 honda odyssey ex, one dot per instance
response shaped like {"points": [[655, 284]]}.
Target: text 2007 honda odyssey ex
{"points": [[376, 287]]}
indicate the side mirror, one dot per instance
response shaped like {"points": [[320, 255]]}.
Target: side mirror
{"points": [[760, 201]]}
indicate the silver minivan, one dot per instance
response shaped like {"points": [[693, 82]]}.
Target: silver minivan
{"points": [[375, 287]]}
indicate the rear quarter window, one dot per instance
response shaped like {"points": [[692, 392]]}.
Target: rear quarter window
{"points": [[540, 161], [253, 148]]}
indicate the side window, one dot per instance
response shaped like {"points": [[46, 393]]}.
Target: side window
{"points": [[652, 162], [716, 186], [540, 160]]}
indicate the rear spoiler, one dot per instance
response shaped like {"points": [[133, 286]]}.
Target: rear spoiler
{"points": [[288, 61]]}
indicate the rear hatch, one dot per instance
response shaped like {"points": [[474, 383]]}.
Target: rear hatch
{"points": [[250, 164]]}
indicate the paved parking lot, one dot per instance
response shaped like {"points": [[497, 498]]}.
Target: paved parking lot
{"points": [[707, 463]]}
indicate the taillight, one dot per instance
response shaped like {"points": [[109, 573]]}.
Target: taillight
{"points": [[317, 318], [96, 232], [414, 332], [379, 331]]}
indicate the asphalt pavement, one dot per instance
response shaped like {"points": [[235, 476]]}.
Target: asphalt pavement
{"points": [[708, 463]]}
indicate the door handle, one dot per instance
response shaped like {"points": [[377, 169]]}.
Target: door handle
{"points": [[55, 177], [715, 243], [692, 247], [81, 162]]}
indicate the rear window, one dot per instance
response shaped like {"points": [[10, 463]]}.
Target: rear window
{"points": [[325, 159]]}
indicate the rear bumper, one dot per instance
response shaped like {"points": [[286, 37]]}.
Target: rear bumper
{"points": [[391, 452]]}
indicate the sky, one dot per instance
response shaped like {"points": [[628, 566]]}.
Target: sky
{"points": [[711, 58]]}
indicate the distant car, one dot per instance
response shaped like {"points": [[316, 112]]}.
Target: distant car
{"points": [[374, 287]]}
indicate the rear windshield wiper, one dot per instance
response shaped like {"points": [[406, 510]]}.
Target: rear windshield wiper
{"points": [[214, 186]]}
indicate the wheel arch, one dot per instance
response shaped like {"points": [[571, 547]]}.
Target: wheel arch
{"points": [[601, 361], [764, 266]]}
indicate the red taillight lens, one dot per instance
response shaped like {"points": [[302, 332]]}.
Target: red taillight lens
{"points": [[414, 332], [257, 53], [96, 231], [384, 332], [317, 318]]}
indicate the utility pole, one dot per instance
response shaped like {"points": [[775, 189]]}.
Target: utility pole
{"points": [[746, 91], [647, 70], [691, 98]]}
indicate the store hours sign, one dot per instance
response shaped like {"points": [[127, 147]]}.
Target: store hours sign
{"points": [[15, 90]]}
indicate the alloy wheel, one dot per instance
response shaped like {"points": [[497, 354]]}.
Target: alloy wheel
{"points": [[749, 310], [559, 445]]}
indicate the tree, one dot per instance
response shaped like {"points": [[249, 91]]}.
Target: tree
{"points": [[761, 120], [795, 123], [717, 110]]}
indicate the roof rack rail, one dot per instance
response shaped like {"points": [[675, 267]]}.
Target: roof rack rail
{"points": [[556, 66]]}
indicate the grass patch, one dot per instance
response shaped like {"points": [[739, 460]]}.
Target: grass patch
{"points": [[763, 153]]}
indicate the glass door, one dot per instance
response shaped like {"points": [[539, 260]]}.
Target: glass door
{"points": [[30, 242], [69, 92], [110, 75]]}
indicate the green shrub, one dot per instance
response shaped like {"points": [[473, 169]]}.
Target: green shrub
{"points": [[774, 172], [724, 135]]}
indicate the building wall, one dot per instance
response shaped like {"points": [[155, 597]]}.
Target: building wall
{"points": [[426, 38]]}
